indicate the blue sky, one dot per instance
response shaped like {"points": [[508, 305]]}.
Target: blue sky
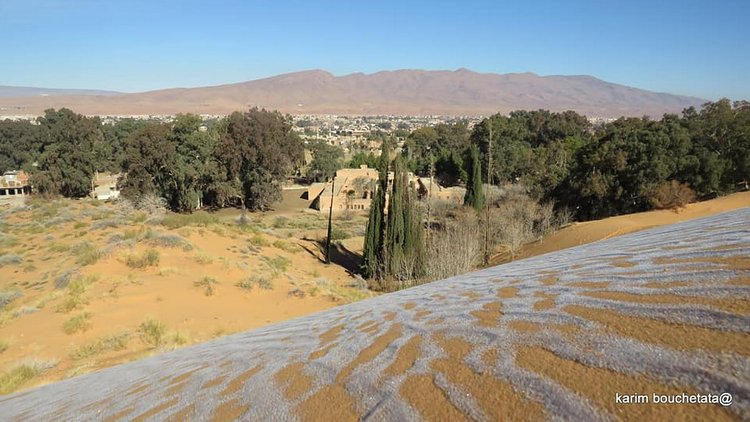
{"points": [[686, 47]]}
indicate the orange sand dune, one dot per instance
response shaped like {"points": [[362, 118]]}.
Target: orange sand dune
{"points": [[591, 231]]}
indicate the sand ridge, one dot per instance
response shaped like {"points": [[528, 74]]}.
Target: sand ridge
{"points": [[479, 356]]}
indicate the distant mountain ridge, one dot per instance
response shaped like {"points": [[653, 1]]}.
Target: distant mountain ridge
{"points": [[25, 91], [399, 92]]}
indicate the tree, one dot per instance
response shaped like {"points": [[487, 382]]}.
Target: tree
{"points": [[326, 160], [68, 160], [258, 150], [373, 253], [474, 194], [150, 159], [394, 240], [20, 144]]}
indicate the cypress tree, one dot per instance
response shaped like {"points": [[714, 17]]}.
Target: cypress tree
{"points": [[474, 195], [373, 255]]}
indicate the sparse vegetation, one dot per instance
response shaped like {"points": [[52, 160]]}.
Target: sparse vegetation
{"points": [[286, 246], [170, 241], [10, 259], [77, 324], [75, 298], [85, 253], [3, 346], [278, 264], [152, 332], [102, 345], [17, 376], [149, 258], [208, 284], [258, 240], [197, 219], [8, 296], [262, 281], [204, 259]]}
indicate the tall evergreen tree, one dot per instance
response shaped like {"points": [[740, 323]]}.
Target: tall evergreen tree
{"points": [[474, 195], [373, 253]]}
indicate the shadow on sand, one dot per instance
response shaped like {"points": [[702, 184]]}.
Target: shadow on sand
{"points": [[340, 255]]}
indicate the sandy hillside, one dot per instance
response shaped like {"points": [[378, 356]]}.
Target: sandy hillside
{"points": [[85, 285], [591, 231], [665, 311]]}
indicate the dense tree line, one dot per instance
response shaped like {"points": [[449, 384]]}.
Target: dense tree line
{"points": [[241, 159], [596, 171]]}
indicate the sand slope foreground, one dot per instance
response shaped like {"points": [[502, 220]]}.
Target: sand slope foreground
{"points": [[663, 311]]}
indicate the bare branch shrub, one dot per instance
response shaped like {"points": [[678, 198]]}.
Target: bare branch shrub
{"points": [[454, 249], [672, 195]]}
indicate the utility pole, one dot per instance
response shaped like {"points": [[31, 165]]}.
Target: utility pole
{"points": [[330, 215], [487, 196], [429, 195]]}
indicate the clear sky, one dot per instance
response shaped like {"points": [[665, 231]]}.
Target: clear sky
{"points": [[689, 47]]}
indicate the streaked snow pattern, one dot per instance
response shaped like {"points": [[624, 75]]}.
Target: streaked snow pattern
{"points": [[663, 310]]}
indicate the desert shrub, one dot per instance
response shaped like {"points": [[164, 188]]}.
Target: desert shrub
{"points": [[59, 247], [280, 222], [10, 259], [106, 224], [139, 217], [78, 323], [85, 253], [3, 346], [278, 264], [339, 234], [179, 339], [286, 246], [208, 284], [151, 332], [297, 292], [7, 241], [204, 259], [104, 344], [75, 298], [25, 310], [671, 195], [262, 281], [454, 248], [170, 241], [149, 258], [8, 296], [62, 280], [16, 377], [149, 204], [202, 219], [258, 240]]}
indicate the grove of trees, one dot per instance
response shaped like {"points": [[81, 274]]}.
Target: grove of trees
{"points": [[595, 170], [239, 160]]}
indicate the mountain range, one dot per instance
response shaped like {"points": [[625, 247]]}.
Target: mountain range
{"points": [[401, 92]]}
